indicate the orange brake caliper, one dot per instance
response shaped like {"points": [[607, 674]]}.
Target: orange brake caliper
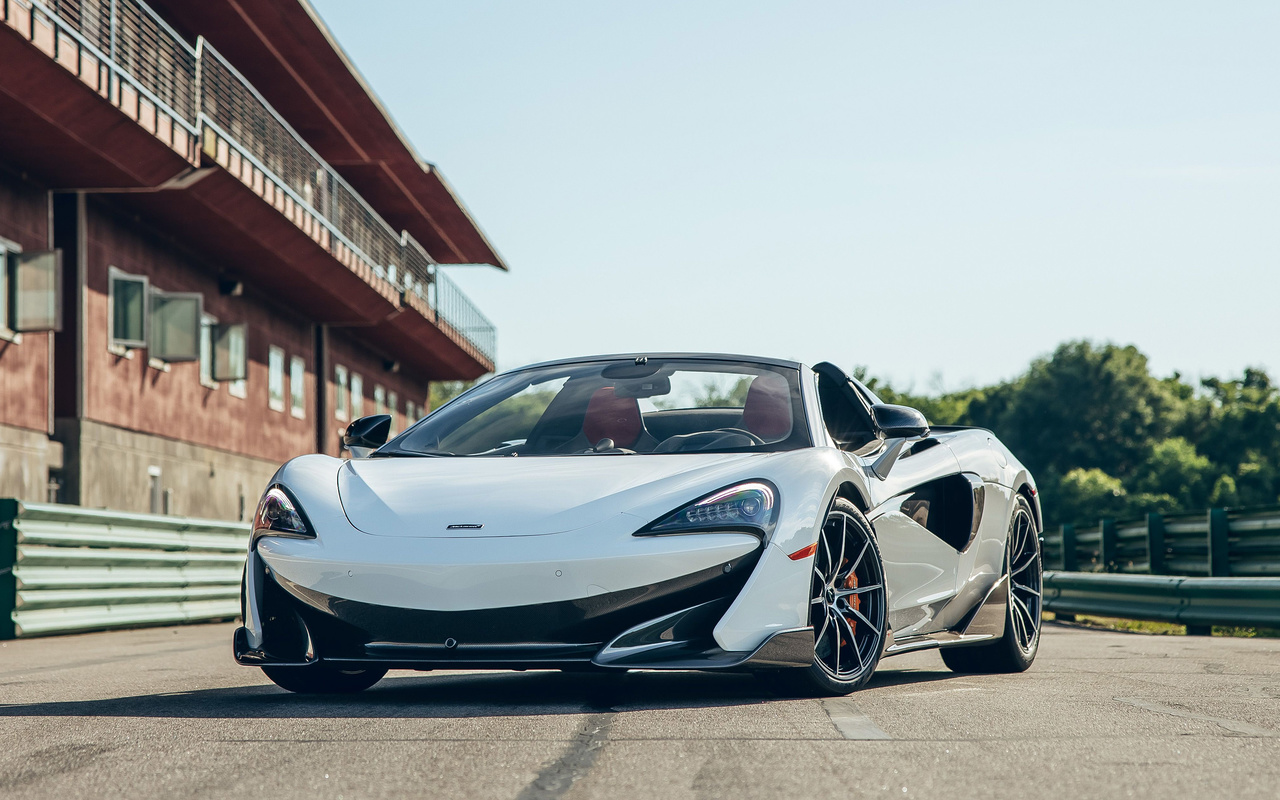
{"points": [[851, 582]]}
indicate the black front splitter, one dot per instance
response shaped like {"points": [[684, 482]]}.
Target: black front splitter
{"points": [[790, 648]]}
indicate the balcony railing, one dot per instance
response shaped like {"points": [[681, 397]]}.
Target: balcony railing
{"points": [[126, 52]]}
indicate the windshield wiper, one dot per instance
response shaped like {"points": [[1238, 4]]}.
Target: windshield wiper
{"points": [[410, 454]]}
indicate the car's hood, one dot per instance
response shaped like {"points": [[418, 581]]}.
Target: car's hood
{"points": [[523, 496]]}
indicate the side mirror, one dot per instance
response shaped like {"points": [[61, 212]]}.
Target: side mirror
{"points": [[899, 422], [367, 434]]}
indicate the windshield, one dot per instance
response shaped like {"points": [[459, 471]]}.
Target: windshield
{"points": [[618, 408]]}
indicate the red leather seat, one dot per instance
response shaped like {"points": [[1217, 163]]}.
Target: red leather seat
{"points": [[612, 417], [767, 409]]}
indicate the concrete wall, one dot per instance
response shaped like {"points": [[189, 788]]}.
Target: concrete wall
{"points": [[204, 482], [25, 460]]}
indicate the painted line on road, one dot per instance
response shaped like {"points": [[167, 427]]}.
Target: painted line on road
{"points": [[851, 722], [1233, 725]]}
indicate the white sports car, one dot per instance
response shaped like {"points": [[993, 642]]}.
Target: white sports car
{"points": [[662, 511]]}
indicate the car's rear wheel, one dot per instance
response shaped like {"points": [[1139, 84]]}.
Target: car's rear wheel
{"points": [[323, 678], [1014, 651], [847, 607]]}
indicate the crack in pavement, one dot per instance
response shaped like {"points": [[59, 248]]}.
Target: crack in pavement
{"points": [[1233, 725], [559, 776]]}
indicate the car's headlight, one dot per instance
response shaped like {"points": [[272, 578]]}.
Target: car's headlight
{"points": [[279, 515], [747, 506]]}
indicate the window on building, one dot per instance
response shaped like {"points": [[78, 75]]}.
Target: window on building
{"points": [[207, 324], [30, 289], [392, 402], [410, 413], [275, 378], [357, 396], [297, 387], [379, 399], [341, 403], [174, 333], [128, 300], [230, 353]]}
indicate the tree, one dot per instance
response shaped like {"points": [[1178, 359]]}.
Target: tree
{"points": [[1174, 469], [1106, 438], [1089, 494], [1086, 406]]}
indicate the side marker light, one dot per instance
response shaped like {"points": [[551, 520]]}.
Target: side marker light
{"points": [[804, 552]]}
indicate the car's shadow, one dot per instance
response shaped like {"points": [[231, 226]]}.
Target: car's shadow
{"points": [[454, 695]]}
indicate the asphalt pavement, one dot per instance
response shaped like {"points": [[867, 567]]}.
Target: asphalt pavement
{"points": [[167, 713]]}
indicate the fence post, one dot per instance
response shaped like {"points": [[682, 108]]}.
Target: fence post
{"points": [[1155, 543], [1070, 562], [9, 510], [1219, 559], [1107, 545]]}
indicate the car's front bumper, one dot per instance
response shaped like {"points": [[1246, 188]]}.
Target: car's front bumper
{"points": [[665, 623]]}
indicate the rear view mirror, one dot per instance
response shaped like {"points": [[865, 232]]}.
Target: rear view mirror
{"points": [[367, 434], [899, 422]]}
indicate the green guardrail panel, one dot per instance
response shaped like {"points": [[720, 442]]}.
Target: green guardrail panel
{"points": [[1187, 600], [66, 569]]}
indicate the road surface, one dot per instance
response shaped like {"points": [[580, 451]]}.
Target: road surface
{"points": [[166, 713]]}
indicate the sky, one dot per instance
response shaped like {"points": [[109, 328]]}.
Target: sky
{"points": [[940, 191]]}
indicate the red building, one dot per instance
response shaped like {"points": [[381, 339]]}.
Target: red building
{"points": [[218, 248]]}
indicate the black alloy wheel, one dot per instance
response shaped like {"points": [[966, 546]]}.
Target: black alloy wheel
{"points": [[1016, 649], [848, 607]]}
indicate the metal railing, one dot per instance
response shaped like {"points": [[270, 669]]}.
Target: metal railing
{"points": [[66, 569], [1220, 542], [455, 309], [1116, 568], [124, 50], [231, 107], [138, 43], [1198, 603]]}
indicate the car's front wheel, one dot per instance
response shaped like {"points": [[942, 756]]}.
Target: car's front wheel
{"points": [[323, 678], [848, 607]]}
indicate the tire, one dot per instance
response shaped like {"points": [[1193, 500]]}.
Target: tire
{"points": [[1016, 649], [323, 679], [847, 592]]}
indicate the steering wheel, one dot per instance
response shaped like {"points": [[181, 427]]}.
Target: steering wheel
{"points": [[739, 431], [703, 440]]}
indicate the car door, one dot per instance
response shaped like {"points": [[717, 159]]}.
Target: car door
{"points": [[921, 566]]}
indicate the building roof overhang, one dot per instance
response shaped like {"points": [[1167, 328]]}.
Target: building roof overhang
{"points": [[289, 55]]}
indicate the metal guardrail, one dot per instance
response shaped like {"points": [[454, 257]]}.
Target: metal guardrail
{"points": [[1195, 602], [66, 569], [1220, 542], [189, 94]]}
